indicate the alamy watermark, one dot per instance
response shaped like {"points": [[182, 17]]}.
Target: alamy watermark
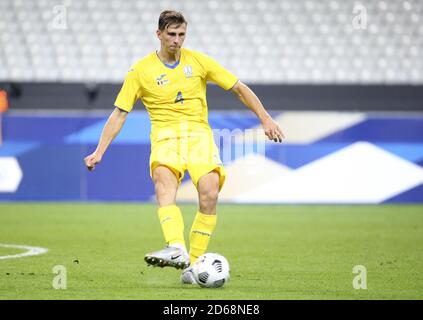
{"points": [[60, 16], [202, 146], [359, 21], [360, 280], [60, 280]]}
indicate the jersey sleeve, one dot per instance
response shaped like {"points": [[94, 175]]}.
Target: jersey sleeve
{"points": [[216, 73], [130, 91]]}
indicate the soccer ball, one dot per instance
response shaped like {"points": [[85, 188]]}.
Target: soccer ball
{"points": [[211, 270]]}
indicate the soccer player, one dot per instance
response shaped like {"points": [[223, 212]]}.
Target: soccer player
{"points": [[171, 83]]}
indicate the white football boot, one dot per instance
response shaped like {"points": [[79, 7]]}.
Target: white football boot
{"points": [[187, 276], [168, 257]]}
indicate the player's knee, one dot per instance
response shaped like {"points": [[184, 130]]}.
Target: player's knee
{"points": [[209, 195], [159, 188], [163, 190], [164, 181]]}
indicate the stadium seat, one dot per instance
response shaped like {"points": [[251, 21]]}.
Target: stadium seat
{"points": [[291, 41]]}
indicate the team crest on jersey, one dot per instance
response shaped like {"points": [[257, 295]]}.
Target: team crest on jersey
{"points": [[188, 71], [162, 81]]}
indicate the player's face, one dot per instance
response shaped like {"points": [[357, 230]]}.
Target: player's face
{"points": [[172, 37]]}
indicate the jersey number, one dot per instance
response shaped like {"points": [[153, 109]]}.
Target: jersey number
{"points": [[179, 98]]}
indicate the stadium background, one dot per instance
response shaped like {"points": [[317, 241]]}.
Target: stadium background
{"points": [[69, 60], [344, 79]]}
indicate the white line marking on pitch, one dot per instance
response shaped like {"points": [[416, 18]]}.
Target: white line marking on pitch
{"points": [[31, 251]]}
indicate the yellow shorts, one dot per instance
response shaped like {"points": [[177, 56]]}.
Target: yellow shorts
{"points": [[196, 153]]}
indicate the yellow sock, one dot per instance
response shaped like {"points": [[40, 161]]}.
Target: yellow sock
{"points": [[172, 225], [201, 231]]}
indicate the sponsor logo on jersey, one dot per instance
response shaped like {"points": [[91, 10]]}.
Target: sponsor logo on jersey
{"points": [[161, 80]]}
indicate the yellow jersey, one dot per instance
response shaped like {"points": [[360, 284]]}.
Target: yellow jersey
{"points": [[173, 94]]}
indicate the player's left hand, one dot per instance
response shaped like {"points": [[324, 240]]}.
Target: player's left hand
{"points": [[272, 130], [91, 161]]}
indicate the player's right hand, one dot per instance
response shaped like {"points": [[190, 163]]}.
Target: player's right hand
{"points": [[272, 130], [91, 161]]}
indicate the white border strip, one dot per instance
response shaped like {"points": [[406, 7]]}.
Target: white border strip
{"points": [[31, 251]]}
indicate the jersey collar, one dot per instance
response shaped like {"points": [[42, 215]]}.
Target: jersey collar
{"points": [[170, 66]]}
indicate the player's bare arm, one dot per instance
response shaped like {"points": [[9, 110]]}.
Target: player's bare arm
{"points": [[248, 97], [110, 131]]}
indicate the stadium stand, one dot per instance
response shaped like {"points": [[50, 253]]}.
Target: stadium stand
{"points": [[296, 54], [266, 41]]}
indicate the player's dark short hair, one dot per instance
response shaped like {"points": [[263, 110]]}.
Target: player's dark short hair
{"points": [[171, 17]]}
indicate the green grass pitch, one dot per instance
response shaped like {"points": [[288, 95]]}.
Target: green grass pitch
{"points": [[275, 251]]}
